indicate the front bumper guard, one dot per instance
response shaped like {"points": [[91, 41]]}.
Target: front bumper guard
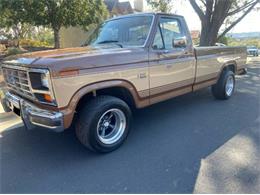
{"points": [[33, 116]]}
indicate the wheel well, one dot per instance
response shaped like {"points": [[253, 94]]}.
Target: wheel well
{"points": [[119, 92], [231, 67]]}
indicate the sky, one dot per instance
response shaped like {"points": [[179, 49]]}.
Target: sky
{"points": [[251, 23]]}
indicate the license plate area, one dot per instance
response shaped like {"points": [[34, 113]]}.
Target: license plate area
{"points": [[17, 111], [13, 108]]}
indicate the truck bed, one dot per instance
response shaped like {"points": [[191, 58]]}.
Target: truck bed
{"points": [[211, 60]]}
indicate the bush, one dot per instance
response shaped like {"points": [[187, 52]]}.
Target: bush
{"points": [[14, 51], [45, 35], [33, 43], [223, 40]]}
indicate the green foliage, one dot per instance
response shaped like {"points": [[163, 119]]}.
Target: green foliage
{"points": [[57, 13], [42, 34], [12, 19], [50, 13], [34, 43], [223, 40], [161, 5], [14, 51], [12, 12]]}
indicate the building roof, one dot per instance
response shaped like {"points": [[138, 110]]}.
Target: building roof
{"points": [[110, 4], [124, 8], [119, 7]]}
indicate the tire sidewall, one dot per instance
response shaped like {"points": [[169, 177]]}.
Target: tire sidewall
{"points": [[94, 139]]}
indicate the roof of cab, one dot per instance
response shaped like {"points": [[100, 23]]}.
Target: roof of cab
{"points": [[145, 14]]}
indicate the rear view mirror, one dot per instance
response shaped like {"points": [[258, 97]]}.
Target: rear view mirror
{"points": [[179, 42]]}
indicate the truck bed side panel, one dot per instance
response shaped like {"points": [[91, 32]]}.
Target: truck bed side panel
{"points": [[211, 60]]}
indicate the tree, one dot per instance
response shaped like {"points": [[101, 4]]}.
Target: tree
{"points": [[215, 14], [161, 5], [12, 19], [58, 13]]}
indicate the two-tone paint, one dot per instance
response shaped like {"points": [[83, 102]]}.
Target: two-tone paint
{"points": [[150, 76]]}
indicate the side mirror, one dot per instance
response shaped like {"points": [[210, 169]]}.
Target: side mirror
{"points": [[179, 42]]}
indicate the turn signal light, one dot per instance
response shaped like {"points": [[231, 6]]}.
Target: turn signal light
{"points": [[47, 97]]}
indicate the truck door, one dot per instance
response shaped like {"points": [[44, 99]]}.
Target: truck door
{"points": [[171, 59]]}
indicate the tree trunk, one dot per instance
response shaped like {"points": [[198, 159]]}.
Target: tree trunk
{"points": [[56, 38], [214, 15]]}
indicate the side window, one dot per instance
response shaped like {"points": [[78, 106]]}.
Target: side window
{"points": [[138, 34], [170, 29], [111, 33], [158, 42]]}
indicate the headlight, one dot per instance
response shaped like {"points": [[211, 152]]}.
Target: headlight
{"points": [[41, 86], [44, 80]]}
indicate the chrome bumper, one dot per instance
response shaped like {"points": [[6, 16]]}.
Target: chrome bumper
{"points": [[33, 116]]}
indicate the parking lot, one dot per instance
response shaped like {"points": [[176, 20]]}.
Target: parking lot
{"points": [[190, 144]]}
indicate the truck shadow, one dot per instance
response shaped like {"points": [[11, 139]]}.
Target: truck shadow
{"points": [[162, 154]]}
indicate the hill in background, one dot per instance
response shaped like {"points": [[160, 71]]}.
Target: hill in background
{"points": [[245, 35]]}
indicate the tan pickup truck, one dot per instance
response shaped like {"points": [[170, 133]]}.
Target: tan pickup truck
{"points": [[129, 62]]}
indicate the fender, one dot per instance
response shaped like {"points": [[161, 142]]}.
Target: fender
{"points": [[233, 63], [68, 111]]}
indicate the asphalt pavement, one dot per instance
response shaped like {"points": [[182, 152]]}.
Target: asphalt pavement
{"points": [[189, 144]]}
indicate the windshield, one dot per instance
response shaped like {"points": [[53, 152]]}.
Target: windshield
{"points": [[123, 32]]}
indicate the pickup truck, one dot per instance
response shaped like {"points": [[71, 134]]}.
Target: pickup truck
{"points": [[130, 62]]}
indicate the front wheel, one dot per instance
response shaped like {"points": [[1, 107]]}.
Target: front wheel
{"points": [[103, 123], [225, 86]]}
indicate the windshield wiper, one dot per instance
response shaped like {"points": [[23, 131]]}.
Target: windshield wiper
{"points": [[111, 41]]}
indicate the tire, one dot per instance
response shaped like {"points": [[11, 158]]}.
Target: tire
{"points": [[225, 86], [103, 123]]}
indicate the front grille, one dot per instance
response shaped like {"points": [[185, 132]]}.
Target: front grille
{"points": [[18, 80]]}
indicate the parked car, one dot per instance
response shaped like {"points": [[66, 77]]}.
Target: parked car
{"points": [[220, 44], [131, 61], [252, 50]]}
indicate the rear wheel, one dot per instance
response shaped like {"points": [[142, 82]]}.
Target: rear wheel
{"points": [[225, 86], [103, 123]]}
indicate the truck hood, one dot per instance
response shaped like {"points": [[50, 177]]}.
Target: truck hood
{"points": [[78, 58], [55, 53]]}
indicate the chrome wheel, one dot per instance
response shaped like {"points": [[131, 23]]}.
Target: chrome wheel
{"points": [[229, 85], [111, 126]]}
